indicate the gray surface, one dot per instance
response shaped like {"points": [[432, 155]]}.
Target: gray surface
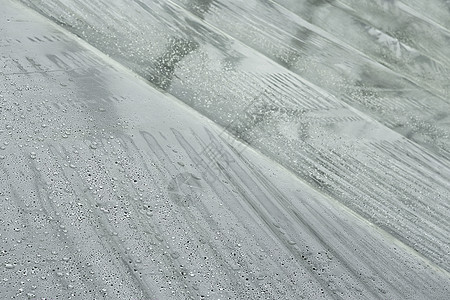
{"points": [[113, 188]]}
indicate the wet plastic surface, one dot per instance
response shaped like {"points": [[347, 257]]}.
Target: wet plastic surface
{"points": [[321, 169]]}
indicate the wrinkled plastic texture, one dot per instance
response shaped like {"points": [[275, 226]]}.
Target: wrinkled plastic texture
{"points": [[191, 149]]}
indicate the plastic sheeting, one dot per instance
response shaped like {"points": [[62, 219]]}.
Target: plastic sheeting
{"points": [[225, 150]]}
